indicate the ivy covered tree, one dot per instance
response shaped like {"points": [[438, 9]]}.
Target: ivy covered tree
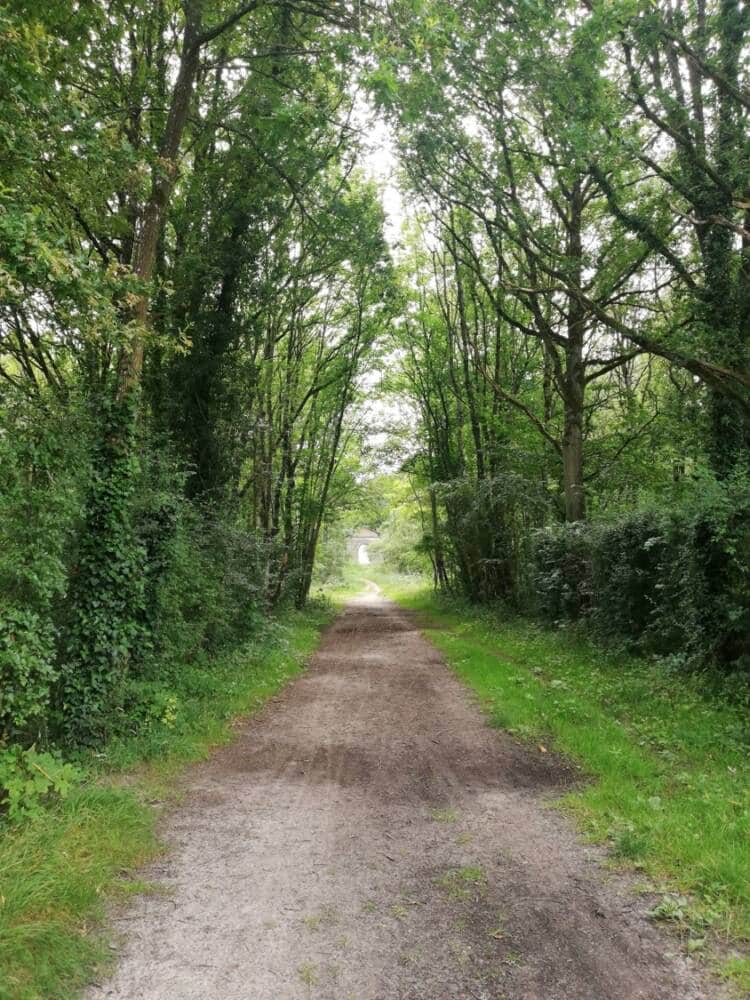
{"points": [[193, 275], [196, 293], [577, 340]]}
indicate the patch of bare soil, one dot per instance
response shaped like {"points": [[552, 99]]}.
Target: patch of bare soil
{"points": [[368, 836]]}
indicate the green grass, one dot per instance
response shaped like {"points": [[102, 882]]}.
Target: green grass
{"points": [[59, 869], [353, 581], [458, 882], [670, 792]]}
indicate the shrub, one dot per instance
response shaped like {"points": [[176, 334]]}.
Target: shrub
{"points": [[486, 534], [44, 461], [561, 572], [401, 546], [89, 603], [30, 780], [627, 561], [27, 672], [210, 592], [674, 583]]}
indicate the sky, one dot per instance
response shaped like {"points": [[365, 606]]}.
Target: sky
{"points": [[380, 161]]}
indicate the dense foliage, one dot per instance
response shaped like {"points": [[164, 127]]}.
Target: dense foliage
{"points": [[668, 582], [219, 360], [193, 274], [575, 344], [194, 280]]}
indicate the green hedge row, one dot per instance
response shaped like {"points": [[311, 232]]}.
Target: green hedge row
{"points": [[672, 583], [201, 574]]}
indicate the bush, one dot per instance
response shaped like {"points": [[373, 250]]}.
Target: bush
{"points": [[210, 591], [673, 583], [486, 534], [401, 546], [332, 556], [30, 780], [44, 459], [83, 612], [628, 563], [561, 573], [27, 672]]}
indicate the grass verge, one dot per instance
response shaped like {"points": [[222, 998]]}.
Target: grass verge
{"points": [[59, 868], [671, 795], [352, 580]]}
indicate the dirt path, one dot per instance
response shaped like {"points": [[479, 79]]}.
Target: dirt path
{"points": [[369, 837]]}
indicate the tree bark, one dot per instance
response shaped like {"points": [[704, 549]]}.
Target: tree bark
{"points": [[575, 372], [149, 227], [572, 455]]}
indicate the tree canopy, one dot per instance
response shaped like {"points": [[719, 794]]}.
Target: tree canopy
{"points": [[197, 296]]}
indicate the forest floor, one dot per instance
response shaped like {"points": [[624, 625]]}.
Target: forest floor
{"points": [[369, 836]]}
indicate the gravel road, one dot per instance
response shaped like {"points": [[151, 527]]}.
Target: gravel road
{"points": [[368, 836]]}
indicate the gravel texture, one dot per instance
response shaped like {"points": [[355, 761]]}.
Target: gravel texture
{"points": [[368, 836]]}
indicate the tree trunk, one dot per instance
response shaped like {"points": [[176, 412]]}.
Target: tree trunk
{"points": [[438, 558], [572, 456], [150, 224], [575, 374], [106, 620]]}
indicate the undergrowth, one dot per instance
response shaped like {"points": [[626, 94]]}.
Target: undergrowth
{"points": [[61, 864], [671, 789]]}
